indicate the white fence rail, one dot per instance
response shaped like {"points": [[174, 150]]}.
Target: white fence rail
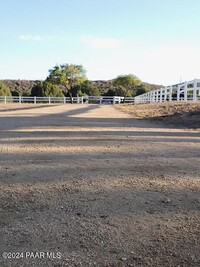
{"points": [[187, 91], [65, 100]]}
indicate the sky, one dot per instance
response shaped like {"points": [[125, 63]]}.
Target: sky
{"points": [[158, 41]]}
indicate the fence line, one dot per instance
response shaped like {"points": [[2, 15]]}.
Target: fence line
{"points": [[65, 100], [187, 91]]}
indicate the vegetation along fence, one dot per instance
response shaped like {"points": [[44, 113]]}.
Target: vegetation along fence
{"points": [[187, 91]]}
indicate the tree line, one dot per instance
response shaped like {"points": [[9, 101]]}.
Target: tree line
{"points": [[70, 80]]}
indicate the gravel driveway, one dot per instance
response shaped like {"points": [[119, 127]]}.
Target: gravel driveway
{"points": [[87, 185]]}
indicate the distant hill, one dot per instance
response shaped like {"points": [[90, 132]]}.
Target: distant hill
{"points": [[20, 87], [104, 86], [23, 87]]}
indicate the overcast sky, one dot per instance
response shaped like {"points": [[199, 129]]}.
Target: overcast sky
{"points": [[159, 41]]}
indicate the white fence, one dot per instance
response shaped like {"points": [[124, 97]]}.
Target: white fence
{"points": [[187, 91], [65, 100]]}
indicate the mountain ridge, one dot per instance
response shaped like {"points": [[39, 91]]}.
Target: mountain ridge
{"points": [[23, 87]]}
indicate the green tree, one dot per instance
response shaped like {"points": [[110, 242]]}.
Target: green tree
{"points": [[88, 88], [68, 76], [52, 90], [140, 90], [126, 84], [38, 90], [110, 92], [4, 90], [47, 89]]}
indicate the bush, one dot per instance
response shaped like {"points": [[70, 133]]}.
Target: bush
{"points": [[4, 90], [140, 91], [46, 89], [110, 92], [88, 88], [52, 90]]}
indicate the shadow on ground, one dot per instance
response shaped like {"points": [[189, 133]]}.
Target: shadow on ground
{"points": [[102, 191]]}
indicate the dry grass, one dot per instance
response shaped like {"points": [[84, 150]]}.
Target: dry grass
{"points": [[176, 113]]}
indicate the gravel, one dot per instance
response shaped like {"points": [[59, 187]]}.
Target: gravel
{"points": [[98, 186]]}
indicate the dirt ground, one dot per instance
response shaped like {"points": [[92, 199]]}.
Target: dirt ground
{"points": [[88, 185], [181, 114]]}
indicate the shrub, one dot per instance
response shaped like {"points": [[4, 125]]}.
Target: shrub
{"points": [[4, 90], [46, 89]]}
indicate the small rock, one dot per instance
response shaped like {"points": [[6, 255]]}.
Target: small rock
{"points": [[193, 257], [167, 200], [113, 251], [123, 258], [151, 211], [104, 216]]}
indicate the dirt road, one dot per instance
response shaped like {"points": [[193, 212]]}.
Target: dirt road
{"points": [[95, 187]]}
